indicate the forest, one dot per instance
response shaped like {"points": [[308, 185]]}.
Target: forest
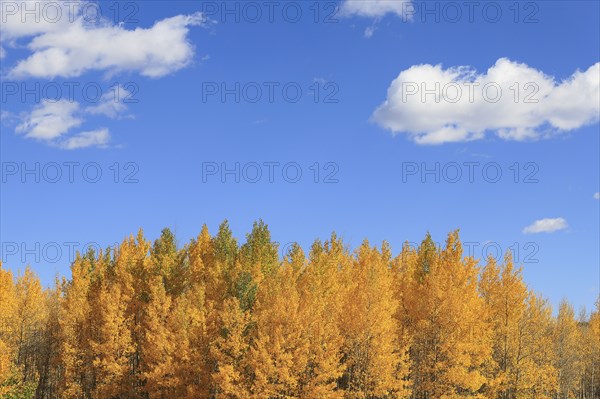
{"points": [[218, 319]]}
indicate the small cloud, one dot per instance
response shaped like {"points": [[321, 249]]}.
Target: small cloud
{"points": [[95, 138], [7, 118], [369, 31], [375, 8], [111, 104], [50, 120], [546, 226], [597, 196]]}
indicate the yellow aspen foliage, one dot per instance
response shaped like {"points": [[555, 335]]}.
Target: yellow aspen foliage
{"points": [[457, 337], [467, 335], [522, 330], [30, 322], [568, 361], [373, 355], [8, 332], [6, 370], [188, 321], [133, 253], [259, 253], [451, 339], [168, 262], [166, 275], [8, 303], [593, 361], [505, 295], [409, 291], [75, 356], [219, 320], [48, 352], [229, 351], [414, 268], [157, 344], [320, 291], [403, 284], [110, 343], [191, 362], [202, 269], [279, 352], [186, 324], [534, 375]]}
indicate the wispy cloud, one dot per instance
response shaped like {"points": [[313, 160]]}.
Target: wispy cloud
{"points": [[95, 138], [370, 31], [111, 104], [52, 122], [548, 225], [374, 8]]}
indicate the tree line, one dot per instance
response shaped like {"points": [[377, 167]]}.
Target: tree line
{"points": [[220, 320]]}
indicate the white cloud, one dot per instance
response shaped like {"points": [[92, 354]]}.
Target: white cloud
{"points": [[370, 31], [26, 18], [72, 46], [111, 104], [597, 196], [7, 118], [530, 105], [373, 8], [95, 138], [50, 120], [546, 226]]}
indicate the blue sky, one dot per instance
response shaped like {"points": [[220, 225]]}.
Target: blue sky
{"points": [[170, 137]]}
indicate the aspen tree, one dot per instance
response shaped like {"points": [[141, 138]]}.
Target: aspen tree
{"points": [[373, 355], [594, 328], [8, 332], [133, 253], [505, 296], [259, 253], [49, 367], [75, 357], [111, 344], [522, 345], [188, 324], [568, 361], [157, 343], [279, 354], [320, 290], [230, 352], [534, 375], [30, 320]]}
